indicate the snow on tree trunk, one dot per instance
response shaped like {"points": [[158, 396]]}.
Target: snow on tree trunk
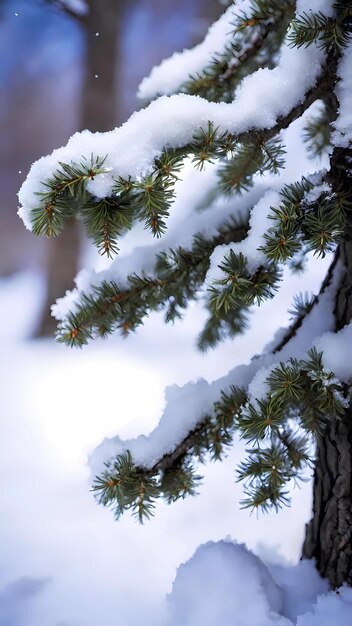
{"points": [[329, 533]]}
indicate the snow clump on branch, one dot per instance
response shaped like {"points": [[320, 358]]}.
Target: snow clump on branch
{"points": [[171, 121]]}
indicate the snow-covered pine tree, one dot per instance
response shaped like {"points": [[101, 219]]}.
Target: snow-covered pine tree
{"points": [[260, 68]]}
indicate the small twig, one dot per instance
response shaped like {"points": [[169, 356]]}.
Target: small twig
{"points": [[292, 330]]}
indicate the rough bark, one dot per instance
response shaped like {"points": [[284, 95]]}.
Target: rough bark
{"points": [[329, 533]]}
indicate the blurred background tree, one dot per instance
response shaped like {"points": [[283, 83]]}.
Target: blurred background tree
{"points": [[80, 68]]}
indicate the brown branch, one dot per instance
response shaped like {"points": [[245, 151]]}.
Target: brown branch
{"points": [[246, 55], [325, 83], [292, 330]]}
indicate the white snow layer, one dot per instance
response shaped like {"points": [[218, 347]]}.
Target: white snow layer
{"points": [[193, 211], [259, 223], [167, 77], [225, 584], [171, 121], [186, 406], [329, 610], [343, 134], [337, 350], [183, 223], [258, 388]]}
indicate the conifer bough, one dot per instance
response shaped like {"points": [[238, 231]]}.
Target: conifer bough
{"points": [[264, 65]]}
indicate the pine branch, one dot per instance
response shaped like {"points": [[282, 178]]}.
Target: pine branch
{"points": [[178, 276], [331, 34], [289, 396], [220, 327], [267, 469], [303, 224], [239, 287], [306, 220], [262, 12], [218, 80], [65, 194], [150, 198], [247, 159], [317, 132]]}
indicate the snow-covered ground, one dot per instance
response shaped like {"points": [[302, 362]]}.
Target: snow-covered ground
{"points": [[64, 560]]}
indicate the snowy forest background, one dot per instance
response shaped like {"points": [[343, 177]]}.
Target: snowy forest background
{"points": [[63, 560]]}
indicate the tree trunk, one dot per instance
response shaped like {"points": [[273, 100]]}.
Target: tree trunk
{"points": [[61, 268], [98, 112], [99, 96], [329, 533]]}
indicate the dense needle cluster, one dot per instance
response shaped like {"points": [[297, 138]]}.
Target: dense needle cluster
{"points": [[277, 454]]}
